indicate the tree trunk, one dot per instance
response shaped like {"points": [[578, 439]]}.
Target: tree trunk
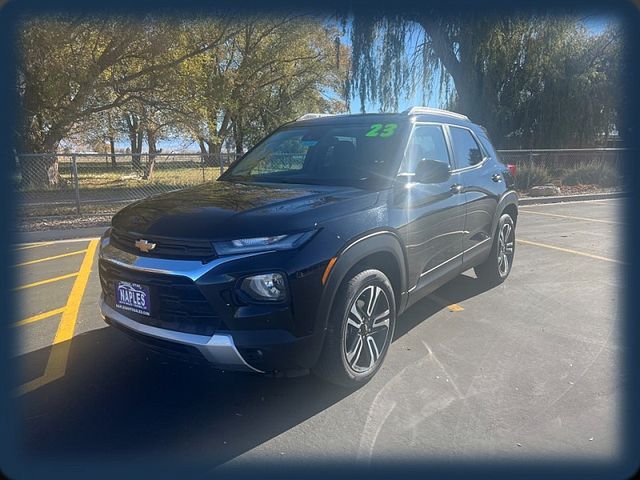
{"points": [[137, 159], [40, 172], [153, 151], [203, 147], [238, 137], [213, 156], [203, 151], [112, 147], [135, 139]]}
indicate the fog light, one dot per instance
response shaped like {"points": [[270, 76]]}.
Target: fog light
{"points": [[266, 287]]}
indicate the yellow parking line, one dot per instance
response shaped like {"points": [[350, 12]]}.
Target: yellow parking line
{"points": [[57, 363], [68, 321], [574, 218], [46, 259], [44, 282], [608, 204], [453, 307], [568, 250], [32, 245], [40, 316]]}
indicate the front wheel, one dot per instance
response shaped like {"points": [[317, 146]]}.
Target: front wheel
{"points": [[497, 267], [360, 330]]}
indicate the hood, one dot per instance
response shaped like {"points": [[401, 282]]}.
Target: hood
{"points": [[225, 210]]}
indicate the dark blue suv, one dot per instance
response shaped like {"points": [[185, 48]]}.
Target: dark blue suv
{"points": [[305, 251]]}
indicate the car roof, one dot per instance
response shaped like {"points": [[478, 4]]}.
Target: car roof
{"points": [[350, 119]]}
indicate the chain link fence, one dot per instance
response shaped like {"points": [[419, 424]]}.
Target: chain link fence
{"points": [[76, 183], [92, 183]]}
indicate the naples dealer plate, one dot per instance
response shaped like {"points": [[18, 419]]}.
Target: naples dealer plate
{"points": [[133, 297]]}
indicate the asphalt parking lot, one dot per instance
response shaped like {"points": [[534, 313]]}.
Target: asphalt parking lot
{"points": [[530, 369]]}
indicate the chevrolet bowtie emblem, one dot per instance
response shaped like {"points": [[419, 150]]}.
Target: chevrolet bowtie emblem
{"points": [[144, 245]]}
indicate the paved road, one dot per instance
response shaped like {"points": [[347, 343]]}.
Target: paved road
{"points": [[525, 370]]}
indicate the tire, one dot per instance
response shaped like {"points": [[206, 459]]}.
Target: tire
{"points": [[359, 332], [495, 269]]}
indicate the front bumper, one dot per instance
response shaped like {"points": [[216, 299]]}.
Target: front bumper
{"points": [[218, 349], [256, 338]]}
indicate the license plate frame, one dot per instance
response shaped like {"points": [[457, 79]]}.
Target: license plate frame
{"points": [[133, 297]]}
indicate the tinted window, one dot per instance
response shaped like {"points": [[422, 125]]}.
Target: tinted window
{"points": [[489, 148], [427, 143], [323, 154], [465, 148]]}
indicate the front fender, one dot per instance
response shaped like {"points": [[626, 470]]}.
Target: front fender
{"points": [[355, 251]]}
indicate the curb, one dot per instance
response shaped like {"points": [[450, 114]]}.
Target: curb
{"points": [[571, 198], [52, 235]]}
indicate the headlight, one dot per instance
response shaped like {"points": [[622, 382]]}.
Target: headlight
{"points": [[267, 287], [259, 244]]}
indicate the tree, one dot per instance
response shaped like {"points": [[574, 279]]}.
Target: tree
{"points": [[525, 78], [217, 80], [74, 68], [269, 72]]}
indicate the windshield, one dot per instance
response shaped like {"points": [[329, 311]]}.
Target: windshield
{"points": [[359, 155]]}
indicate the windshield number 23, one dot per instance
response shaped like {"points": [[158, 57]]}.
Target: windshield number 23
{"points": [[382, 131]]}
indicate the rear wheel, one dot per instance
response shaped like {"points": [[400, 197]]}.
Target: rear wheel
{"points": [[497, 267], [360, 330]]}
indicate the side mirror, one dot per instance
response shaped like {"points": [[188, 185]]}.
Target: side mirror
{"points": [[432, 171]]}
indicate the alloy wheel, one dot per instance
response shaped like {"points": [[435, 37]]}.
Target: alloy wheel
{"points": [[506, 243], [367, 331]]}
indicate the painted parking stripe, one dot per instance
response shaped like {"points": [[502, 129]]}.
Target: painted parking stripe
{"points": [[453, 307], [607, 203], [26, 246], [57, 363], [570, 217], [68, 321], [568, 250], [46, 259], [44, 282], [38, 317]]}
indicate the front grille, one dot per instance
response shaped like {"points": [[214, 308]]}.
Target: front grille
{"points": [[176, 248], [176, 302]]}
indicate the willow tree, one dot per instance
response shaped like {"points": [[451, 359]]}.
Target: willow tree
{"points": [[520, 76]]}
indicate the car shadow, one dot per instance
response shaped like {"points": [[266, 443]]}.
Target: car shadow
{"points": [[118, 399], [457, 290]]}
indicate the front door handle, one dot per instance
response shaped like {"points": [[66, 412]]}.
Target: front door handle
{"points": [[456, 188], [496, 177]]}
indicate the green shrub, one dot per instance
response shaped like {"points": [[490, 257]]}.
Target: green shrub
{"points": [[531, 175], [592, 173]]}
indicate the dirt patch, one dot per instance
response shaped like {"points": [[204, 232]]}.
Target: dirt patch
{"points": [[63, 223]]}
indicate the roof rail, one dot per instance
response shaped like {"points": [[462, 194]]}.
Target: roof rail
{"points": [[309, 116], [434, 111]]}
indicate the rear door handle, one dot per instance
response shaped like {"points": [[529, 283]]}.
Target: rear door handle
{"points": [[456, 188], [496, 177]]}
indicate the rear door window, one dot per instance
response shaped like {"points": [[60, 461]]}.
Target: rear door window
{"points": [[465, 148]]}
